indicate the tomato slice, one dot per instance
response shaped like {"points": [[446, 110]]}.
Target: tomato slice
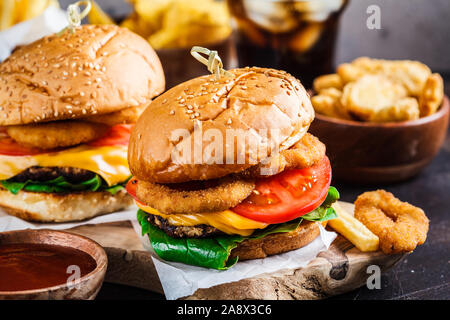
{"points": [[287, 195], [131, 188], [117, 135], [9, 147]]}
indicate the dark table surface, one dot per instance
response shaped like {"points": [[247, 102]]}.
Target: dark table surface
{"points": [[424, 274]]}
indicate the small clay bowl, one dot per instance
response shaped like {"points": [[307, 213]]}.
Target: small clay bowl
{"points": [[179, 66], [373, 153], [86, 288]]}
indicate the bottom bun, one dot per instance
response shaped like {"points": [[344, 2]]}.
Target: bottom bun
{"points": [[277, 243], [53, 207]]}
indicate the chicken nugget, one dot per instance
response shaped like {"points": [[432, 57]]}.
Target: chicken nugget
{"points": [[56, 134], [403, 110], [432, 95], [327, 81], [328, 103], [370, 94]]}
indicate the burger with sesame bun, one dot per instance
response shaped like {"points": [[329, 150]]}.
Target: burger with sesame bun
{"points": [[67, 106], [229, 171]]}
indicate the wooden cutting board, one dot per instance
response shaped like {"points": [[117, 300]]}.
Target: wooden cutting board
{"points": [[340, 269]]}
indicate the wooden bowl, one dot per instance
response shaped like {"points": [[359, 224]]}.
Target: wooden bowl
{"points": [[371, 153], [179, 66], [88, 285]]}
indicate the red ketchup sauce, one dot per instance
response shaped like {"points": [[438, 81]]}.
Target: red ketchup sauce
{"points": [[35, 266]]}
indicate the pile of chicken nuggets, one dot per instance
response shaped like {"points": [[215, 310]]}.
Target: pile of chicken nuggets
{"points": [[376, 90]]}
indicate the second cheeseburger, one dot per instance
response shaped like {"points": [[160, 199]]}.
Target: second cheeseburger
{"points": [[67, 104], [229, 171]]}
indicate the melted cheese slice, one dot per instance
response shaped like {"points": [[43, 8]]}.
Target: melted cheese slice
{"points": [[226, 221], [109, 162]]}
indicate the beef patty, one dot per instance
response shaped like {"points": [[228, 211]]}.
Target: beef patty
{"points": [[36, 173], [198, 231]]}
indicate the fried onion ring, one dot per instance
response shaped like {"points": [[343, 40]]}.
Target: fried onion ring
{"points": [[399, 225], [195, 197], [304, 154], [51, 135], [124, 116]]}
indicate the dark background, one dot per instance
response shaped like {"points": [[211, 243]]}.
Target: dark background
{"points": [[410, 29]]}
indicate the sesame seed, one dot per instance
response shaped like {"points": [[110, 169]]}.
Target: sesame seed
{"points": [[196, 114], [172, 112], [65, 73], [190, 107], [57, 65], [189, 111], [229, 121], [74, 74], [82, 93], [87, 73], [68, 107]]}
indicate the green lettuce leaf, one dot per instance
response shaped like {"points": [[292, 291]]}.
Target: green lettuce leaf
{"points": [[214, 252], [324, 212], [60, 184], [206, 252]]}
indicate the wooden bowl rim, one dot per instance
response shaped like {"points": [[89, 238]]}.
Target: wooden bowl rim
{"points": [[441, 112], [99, 268]]}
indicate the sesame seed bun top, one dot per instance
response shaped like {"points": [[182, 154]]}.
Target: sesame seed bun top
{"points": [[253, 100], [95, 70]]}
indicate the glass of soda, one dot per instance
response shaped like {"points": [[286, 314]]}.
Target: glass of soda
{"points": [[297, 36]]}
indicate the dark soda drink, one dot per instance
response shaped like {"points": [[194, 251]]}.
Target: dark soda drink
{"points": [[291, 35]]}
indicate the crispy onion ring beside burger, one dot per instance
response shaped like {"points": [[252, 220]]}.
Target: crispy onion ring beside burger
{"points": [[67, 105], [228, 170]]}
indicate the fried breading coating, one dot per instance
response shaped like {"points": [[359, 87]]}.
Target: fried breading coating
{"points": [[304, 154], [328, 102], [52, 135], [195, 196], [348, 72], [400, 226], [370, 94], [403, 110], [411, 74], [124, 116], [432, 95], [327, 81]]}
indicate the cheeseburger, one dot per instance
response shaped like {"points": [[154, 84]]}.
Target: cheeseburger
{"points": [[66, 107], [224, 169]]}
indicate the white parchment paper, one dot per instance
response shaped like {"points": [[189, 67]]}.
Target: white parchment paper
{"points": [[50, 21], [181, 280]]}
